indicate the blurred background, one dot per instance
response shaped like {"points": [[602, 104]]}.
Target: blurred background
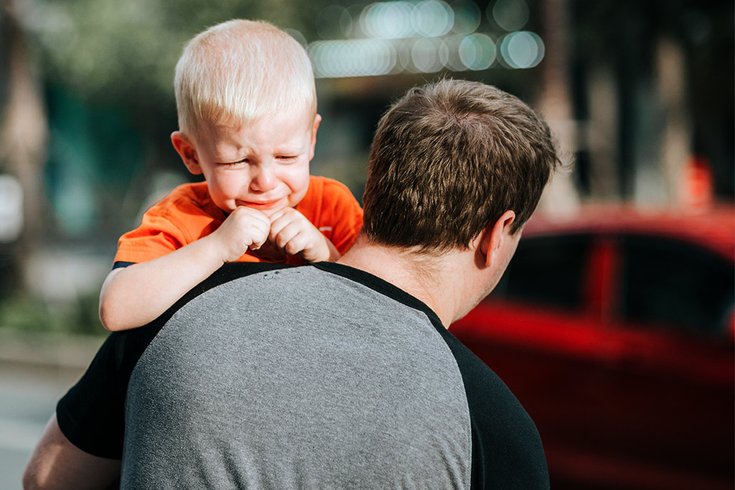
{"points": [[639, 96]]}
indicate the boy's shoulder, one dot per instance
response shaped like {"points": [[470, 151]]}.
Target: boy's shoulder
{"points": [[325, 185], [326, 193], [195, 192], [191, 198]]}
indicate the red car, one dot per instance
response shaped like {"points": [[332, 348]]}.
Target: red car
{"points": [[615, 330]]}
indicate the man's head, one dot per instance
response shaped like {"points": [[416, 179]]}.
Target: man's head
{"points": [[448, 160], [247, 114]]}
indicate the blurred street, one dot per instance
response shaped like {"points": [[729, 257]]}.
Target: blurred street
{"points": [[33, 375]]}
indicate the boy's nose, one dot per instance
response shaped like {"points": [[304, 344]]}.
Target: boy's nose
{"points": [[263, 179]]}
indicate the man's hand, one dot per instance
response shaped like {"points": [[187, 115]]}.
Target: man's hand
{"points": [[245, 228], [291, 232]]}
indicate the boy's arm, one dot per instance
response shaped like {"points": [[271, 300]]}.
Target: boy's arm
{"points": [[135, 295]]}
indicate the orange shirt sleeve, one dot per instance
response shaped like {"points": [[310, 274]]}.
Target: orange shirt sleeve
{"points": [[174, 222], [333, 209]]}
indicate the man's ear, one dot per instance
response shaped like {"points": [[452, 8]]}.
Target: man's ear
{"points": [[494, 235], [314, 129], [187, 151]]}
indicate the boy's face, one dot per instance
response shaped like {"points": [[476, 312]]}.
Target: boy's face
{"points": [[262, 165]]}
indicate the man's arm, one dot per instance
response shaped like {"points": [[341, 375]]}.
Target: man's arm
{"points": [[57, 464]]}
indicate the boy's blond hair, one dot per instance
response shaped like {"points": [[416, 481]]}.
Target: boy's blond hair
{"points": [[238, 71]]}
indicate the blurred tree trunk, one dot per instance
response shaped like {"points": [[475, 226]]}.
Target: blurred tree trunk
{"points": [[23, 136], [602, 130], [676, 138], [555, 104]]}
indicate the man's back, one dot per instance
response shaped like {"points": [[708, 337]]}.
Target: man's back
{"points": [[349, 383]]}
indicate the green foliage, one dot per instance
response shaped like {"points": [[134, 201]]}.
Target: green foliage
{"points": [[126, 51], [33, 315]]}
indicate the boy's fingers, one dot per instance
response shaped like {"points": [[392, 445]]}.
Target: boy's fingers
{"points": [[295, 238], [295, 245], [260, 238], [245, 212], [275, 216], [284, 235], [255, 244], [285, 220]]}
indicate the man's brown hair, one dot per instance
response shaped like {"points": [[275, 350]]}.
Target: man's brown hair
{"points": [[448, 159]]}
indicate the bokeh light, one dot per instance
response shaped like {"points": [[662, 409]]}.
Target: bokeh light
{"points": [[523, 49], [387, 20], [432, 18], [467, 17], [422, 37], [330, 21], [477, 51], [429, 55], [511, 15], [352, 58]]}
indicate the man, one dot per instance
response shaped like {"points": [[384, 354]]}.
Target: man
{"points": [[336, 375]]}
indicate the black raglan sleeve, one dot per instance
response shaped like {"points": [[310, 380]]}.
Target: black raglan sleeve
{"points": [[92, 413], [507, 452]]}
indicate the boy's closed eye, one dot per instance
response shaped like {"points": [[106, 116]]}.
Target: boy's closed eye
{"points": [[237, 163], [286, 158]]}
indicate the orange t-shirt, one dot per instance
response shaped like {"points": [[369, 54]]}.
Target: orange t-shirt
{"points": [[188, 214]]}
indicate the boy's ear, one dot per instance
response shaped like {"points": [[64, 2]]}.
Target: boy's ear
{"points": [[187, 151], [314, 129], [495, 236]]}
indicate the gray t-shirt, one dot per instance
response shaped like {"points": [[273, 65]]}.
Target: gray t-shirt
{"points": [[319, 376]]}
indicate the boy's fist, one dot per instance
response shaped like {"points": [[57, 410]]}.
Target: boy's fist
{"points": [[294, 234], [245, 228]]}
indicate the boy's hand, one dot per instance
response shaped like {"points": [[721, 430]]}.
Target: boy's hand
{"points": [[294, 234], [245, 228]]}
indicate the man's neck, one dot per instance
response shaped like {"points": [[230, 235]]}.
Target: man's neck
{"points": [[430, 279]]}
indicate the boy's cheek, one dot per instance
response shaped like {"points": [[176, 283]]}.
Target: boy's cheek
{"points": [[299, 180]]}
